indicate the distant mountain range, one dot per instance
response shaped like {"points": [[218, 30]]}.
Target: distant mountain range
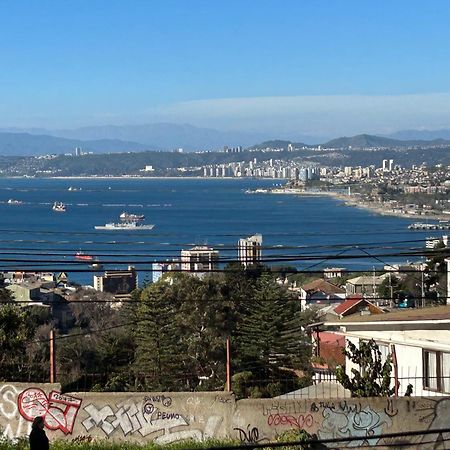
{"points": [[156, 136], [355, 142], [367, 140], [25, 144], [427, 135], [168, 136], [278, 143]]}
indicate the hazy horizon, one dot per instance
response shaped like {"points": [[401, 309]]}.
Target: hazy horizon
{"points": [[287, 70]]}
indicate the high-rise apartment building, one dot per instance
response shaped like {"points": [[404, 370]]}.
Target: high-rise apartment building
{"points": [[388, 165], [120, 283], [199, 258], [159, 269], [250, 250]]}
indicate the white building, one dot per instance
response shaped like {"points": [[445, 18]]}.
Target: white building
{"points": [[199, 258], [448, 281], [388, 165], [159, 269], [417, 339], [250, 250], [334, 272]]}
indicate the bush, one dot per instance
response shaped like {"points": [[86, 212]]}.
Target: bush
{"points": [[300, 436]]}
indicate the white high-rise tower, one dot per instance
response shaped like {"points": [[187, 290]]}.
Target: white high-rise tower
{"points": [[250, 250]]}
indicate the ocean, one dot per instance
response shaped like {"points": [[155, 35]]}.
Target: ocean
{"points": [[187, 212]]}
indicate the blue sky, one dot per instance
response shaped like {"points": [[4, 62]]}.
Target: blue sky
{"points": [[234, 64]]}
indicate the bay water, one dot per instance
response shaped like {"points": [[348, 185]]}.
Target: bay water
{"points": [[186, 212]]}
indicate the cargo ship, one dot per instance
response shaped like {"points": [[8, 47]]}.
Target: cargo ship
{"points": [[127, 217]]}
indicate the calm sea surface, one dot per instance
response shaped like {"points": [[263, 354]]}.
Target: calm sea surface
{"points": [[185, 212]]}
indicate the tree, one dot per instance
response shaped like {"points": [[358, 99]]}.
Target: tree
{"points": [[373, 378], [271, 341], [203, 319], [97, 343], [21, 358], [436, 274], [160, 347]]}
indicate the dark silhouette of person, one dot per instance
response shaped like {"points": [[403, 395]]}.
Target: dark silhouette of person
{"points": [[38, 438]]}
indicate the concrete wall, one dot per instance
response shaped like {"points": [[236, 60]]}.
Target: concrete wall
{"points": [[168, 417]]}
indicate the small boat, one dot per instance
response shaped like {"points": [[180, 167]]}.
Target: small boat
{"points": [[83, 257], [71, 188], [59, 207], [11, 201]]}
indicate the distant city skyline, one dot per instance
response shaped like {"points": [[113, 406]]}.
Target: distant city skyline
{"points": [[289, 69]]}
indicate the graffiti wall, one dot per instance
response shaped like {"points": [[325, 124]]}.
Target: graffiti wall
{"points": [[362, 419], [168, 417]]}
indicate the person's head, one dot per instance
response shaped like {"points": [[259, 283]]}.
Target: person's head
{"points": [[38, 422]]}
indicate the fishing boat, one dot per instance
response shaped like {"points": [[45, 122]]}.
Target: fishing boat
{"points": [[80, 256]]}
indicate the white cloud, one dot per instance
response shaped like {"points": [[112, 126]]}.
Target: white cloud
{"points": [[331, 114]]}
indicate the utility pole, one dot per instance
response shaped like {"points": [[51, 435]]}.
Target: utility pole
{"points": [[52, 357], [423, 291], [391, 291], [374, 295], [228, 386]]}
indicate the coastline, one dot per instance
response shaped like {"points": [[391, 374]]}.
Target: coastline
{"points": [[122, 177], [353, 201]]}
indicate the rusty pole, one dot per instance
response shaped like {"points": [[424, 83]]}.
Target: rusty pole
{"points": [[228, 387], [395, 364]]}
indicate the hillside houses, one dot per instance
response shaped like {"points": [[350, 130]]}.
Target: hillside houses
{"points": [[418, 340]]}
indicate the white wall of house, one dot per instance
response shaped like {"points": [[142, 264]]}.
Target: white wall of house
{"points": [[409, 348], [448, 281]]}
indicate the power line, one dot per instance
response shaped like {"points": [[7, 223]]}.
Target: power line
{"points": [[131, 301], [223, 260]]}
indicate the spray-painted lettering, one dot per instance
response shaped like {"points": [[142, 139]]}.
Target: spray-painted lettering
{"points": [[59, 411]]}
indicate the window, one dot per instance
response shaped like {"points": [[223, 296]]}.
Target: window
{"points": [[385, 352], [436, 371]]}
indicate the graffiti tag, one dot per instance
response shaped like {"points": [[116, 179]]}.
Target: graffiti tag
{"points": [[249, 436], [130, 418], [354, 421], [300, 421], [59, 411]]}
